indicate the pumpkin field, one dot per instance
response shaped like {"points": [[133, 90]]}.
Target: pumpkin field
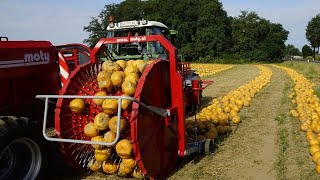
{"points": [[277, 137], [265, 121]]}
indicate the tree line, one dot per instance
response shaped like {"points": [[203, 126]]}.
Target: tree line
{"points": [[205, 31]]}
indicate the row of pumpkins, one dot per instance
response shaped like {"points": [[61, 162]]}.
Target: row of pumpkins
{"points": [[307, 111], [120, 76], [216, 117], [209, 69]]}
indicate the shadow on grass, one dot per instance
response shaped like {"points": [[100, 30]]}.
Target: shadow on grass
{"points": [[197, 157]]}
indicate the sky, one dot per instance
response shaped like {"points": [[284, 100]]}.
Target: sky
{"points": [[62, 21]]}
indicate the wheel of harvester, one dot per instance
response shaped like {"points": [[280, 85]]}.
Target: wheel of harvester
{"points": [[208, 146], [22, 152], [154, 145]]}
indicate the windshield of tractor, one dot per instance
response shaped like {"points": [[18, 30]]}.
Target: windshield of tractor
{"points": [[136, 50]]}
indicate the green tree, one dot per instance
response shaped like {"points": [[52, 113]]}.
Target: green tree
{"points": [[306, 51], [205, 30], [212, 35], [291, 50], [99, 24], [203, 26], [313, 33], [126, 10], [256, 38]]}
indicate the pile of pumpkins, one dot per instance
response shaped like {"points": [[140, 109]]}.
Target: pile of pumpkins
{"points": [[209, 69], [223, 110], [115, 78], [307, 111]]}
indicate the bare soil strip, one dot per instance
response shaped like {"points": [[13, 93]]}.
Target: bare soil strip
{"points": [[228, 80], [251, 151]]}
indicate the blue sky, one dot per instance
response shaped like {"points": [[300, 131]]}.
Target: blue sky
{"points": [[62, 21]]}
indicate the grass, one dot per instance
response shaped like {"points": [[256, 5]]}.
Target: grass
{"points": [[280, 164], [281, 118], [281, 161], [309, 70], [311, 57]]}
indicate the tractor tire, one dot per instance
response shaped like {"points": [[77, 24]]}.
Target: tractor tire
{"points": [[22, 149]]}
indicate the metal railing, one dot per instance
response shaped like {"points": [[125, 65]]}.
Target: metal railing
{"points": [[158, 111]]}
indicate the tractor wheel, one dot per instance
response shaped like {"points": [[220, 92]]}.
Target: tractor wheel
{"points": [[208, 147], [21, 149]]}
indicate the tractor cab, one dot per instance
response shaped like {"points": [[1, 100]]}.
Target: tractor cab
{"points": [[137, 50]]}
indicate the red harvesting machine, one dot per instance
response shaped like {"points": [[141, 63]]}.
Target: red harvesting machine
{"points": [[156, 118], [29, 68]]}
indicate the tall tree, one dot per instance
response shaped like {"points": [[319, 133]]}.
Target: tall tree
{"points": [[204, 28], [291, 50], [99, 24], [313, 33], [306, 51], [256, 38], [212, 29]]}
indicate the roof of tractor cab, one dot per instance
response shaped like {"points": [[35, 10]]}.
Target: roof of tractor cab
{"points": [[136, 24]]}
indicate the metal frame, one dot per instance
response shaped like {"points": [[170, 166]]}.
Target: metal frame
{"points": [[158, 111], [176, 80], [74, 50]]}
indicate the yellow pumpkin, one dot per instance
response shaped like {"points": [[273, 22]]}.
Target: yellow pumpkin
{"points": [[113, 124], [314, 149], [110, 66], [122, 64], [316, 156], [102, 155], [130, 69], [132, 77], [94, 165], [124, 148], [236, 119], [97, 139], [125, 103], [129, 163], [99, 101], [142, 67], [128, 88], [105, 84], [117, 78], [101, 121], [138, 62], [90, 130], [123, 170], [130, 63], [103, 75], [77, 106], [109, 137], [314, 142], [110, 106], [109, 167]]}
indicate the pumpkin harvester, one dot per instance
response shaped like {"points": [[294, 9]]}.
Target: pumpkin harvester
{"points": [[128, 117]]}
